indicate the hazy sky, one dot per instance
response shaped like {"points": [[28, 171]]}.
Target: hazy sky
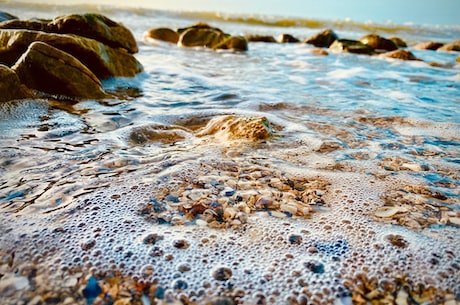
{"points": [[443, 12]]}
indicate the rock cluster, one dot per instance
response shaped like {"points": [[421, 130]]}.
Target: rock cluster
{"points": [[66, 57], [199, 35]]}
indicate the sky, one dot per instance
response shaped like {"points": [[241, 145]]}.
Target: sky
{"points": [[433, 12]]}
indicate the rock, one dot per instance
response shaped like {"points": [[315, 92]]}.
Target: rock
{"points": [[398, 42], [47, 69], [231, 127], [33, 24], [399, 54], [10, 85], [237, 43], [102, 60], [199, 25], [221, 273], [429, 45], [260, 38], [458, 59], [287, 38], [377, 42], [97, 27], [319, 51], [4, 16], [323, 39], [201, 37], [350, 46], [451, 46], [163, 34]]}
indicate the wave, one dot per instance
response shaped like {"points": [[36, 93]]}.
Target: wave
{"points": [[445, 32]]}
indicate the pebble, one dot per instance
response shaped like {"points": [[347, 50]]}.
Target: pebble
{"points": [[221, 273]]}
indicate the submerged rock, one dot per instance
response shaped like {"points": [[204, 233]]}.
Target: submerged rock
{"points": [[163, 34], [102, 60], [287, 38], [378, 42], [45, 68], [237, 43], [429, 45], [323, 39], [350, 46], [10, 85], [231, 127], [451, 46], [400, 54]]}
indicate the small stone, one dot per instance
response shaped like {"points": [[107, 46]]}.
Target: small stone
{"points": [[221, 273], [181, 244], [152, 239], [295, 239], [184, 267], [179, 284], [314, 266], [388, 211]]}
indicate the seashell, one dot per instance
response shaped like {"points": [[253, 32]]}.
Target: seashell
{"points": [[388, 211], [454, 221]]}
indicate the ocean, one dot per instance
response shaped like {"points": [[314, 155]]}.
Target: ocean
{"points": [[163, 196]]}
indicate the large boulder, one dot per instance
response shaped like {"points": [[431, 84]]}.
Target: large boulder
{"points": [[47, 69], [428, 45], [323, 39], [102, 60], [4, 16], [10, 85], [94, 26], [451, 46], [350, 46], [400, 54], [97, 27], [163, 34], [378, 43]]}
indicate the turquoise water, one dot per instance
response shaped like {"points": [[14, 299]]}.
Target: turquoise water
{"points": [[373, 128]]}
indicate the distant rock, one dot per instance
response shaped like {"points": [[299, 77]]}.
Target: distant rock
{"points": [[451, 46], [287, 38], [237, 43], [163, 34], [10, 85], [260, 38], [323, 39], [428, 45], [47, 69], [102, 60], [4, 16], [203, 35], [400, 54], [350, 46], [319, 51], [398, 42], [378, 43]]}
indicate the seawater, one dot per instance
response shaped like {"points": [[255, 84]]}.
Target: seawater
{"points": [[377, 130]]}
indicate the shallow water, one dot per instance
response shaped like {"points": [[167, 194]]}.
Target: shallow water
{"points": [[82, 184]]}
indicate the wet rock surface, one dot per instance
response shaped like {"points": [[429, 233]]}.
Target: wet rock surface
{"points": [[96, 44]]}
